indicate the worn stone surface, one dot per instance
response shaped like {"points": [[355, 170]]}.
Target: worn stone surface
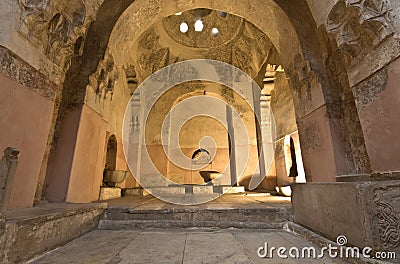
{"points": [[249, 211], [367, 92], [177, 246], [382, 205], [109, 193], [8, 167], [17, 69], [317, 207], [359, 26], [353, 157], [377, 100], [34, 231], [365, 212], [58, 28]]}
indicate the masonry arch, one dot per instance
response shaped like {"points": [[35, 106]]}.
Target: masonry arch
{"points": [[292, 31]]}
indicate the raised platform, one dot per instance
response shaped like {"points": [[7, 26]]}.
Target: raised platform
{"points": [[33, 231], [187, 189], [251, 211]]}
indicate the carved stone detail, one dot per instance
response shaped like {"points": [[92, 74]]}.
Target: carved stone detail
{"points": [[153, 54], [367, 92], [387, 221], [103, 80], [130, 74], [360, 26], [341, 108], [8, 168], [302, 79], [15, 68], [55, 26]]}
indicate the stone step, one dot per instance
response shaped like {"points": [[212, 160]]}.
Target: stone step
{"points": [[174, 224], [195, 189], [127, 218]]}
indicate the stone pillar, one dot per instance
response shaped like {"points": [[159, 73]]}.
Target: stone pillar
{"points": [[266, 132], [8, 167], [257, 111], [377, 101], [232, 146], [133, 152]]}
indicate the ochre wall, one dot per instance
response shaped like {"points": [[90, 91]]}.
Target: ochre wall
{"points": [[25, 121], [378, 101], [59, 166], [88, 163], [191, 133], [316, 146]]}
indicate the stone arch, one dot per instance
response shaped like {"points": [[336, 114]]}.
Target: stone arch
{"points": [[292, 30], [108, 29], [141, 14]]}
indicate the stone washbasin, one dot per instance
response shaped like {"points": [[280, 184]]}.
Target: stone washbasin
{"points": [[113, 177], [211, 177]]}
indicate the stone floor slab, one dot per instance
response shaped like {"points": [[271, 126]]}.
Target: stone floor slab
{"points": [[96, 247], [187, 246], [154, 247], [213, 247]]}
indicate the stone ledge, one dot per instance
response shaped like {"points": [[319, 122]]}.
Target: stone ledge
{"points": [[33, 231], [384, 176], [367, 212], [176, 224]]}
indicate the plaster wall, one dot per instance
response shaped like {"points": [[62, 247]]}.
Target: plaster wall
{"points": [[378, 100], [317, 147], [25, 123], [88, 163], [60, 164]]}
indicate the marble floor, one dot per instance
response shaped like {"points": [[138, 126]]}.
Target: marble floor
{"points": [[190, 245], [226, 201], [178, 246]]}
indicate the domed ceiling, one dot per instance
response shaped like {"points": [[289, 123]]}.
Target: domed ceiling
{"points": [[203, 28], [201, 34]]}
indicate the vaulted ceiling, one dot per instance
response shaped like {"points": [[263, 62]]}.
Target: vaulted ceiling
{"points": [[217, 36]]}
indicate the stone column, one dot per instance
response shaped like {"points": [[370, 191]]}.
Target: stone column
{"points": [[266, 132], [232, 146], [133, 152], [257, 112], [377, 101], [8, 167]]}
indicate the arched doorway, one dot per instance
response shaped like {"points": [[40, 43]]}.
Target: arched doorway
{"points": [[111, 155]]}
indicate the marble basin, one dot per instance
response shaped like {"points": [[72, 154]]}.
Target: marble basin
{"points": [[213, 177], [114, 177]]}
